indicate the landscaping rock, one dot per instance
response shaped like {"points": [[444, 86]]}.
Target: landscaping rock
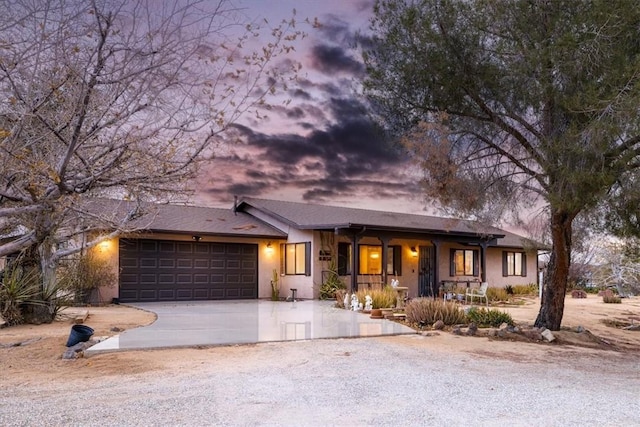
{"points": [[116, 329], [532, 334], [2, 323], [438, 325], [632, 328], [456, 330], [503, 326], [77, 351], [547, 335], [473, 329], [492, 333], [579, 329]]}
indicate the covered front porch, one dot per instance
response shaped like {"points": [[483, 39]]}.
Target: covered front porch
{"points": [[370, 258]]}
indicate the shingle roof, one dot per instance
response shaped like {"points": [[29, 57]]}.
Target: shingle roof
{"points": [[196, 220], [309, 216]]}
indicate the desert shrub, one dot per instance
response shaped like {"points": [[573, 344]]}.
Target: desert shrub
{"points": [[485, 318], [20, 286], [426, 311], [530, 289], [509, 289], [84, 274], [381, 298], [497, 294], [611, 299]]}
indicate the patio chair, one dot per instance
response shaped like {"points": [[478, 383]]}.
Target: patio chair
{"points": [[480, 293]]}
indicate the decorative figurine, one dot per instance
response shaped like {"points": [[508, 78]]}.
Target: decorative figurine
{"points": [[368, 303], [354, 302], [346, 301]]}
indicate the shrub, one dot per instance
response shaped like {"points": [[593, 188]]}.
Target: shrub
{"points": [[426, 311], [497, 294], [509, 289], [485, 318], [381, 298], [84, 274], [20, 286], [611, 299], [530, 289]]}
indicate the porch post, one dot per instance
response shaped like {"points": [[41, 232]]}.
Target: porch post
{"points": [[483, 261], [435, 286], [355, 264], [385, 245]]}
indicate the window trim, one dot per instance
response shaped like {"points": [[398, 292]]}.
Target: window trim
{"points": [[505, 264], [475, 261], [307, 259], [394, 260]]}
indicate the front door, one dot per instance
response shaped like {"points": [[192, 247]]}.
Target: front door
{"points": [[426, 271]]}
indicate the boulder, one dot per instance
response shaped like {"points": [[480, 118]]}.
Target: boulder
{"points": [[438, 325], [472, 330]]}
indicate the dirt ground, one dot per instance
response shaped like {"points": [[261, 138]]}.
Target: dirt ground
{"points": [[30, 354]]}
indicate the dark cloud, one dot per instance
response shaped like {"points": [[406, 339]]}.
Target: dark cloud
{"points": [[333, 59], [335, 29], [301, 94]]}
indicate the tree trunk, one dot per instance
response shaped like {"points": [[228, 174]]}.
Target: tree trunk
{"points": [[555, 281]]}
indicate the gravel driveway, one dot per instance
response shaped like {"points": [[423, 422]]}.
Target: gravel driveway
{"points": [[397, 381]]}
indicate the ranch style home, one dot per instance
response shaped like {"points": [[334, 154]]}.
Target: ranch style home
{"points": [[198, 253]]}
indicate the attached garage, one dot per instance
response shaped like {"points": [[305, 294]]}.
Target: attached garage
{"points": [[166, 270]]}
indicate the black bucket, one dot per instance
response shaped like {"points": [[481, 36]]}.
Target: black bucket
{"points": [[79, 333]]}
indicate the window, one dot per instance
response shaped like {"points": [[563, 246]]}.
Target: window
{"points": [[464, 262], [514, 264], [370, 260], [296, 258], [344, 258]]}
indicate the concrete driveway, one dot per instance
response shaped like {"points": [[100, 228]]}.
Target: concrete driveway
{"points": [[206, 323]]}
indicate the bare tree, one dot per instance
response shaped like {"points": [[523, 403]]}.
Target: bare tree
{"points": [[118, 98]]}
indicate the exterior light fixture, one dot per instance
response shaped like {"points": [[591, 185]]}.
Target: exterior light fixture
{"points": [[269, 248], [196, 238], [414, 251]]}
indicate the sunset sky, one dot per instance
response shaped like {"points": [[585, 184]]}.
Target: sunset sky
{"points": [[322, 147]]}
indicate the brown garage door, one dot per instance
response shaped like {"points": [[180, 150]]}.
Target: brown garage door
{"points": [[164, 270]]}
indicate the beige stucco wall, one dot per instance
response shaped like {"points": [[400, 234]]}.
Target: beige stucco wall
{"points": [[308, 287]]}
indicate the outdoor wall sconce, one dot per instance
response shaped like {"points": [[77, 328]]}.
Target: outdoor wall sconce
{"points": [[414, 251], [269, 248], [196, 238]]}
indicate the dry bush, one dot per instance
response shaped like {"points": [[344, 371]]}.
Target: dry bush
{"points": [[611, 299], [530, 289], [426, 311], [385, 298], [497, 294]]}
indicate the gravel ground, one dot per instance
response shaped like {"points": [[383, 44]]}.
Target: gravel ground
{"points": [[374, 381]]}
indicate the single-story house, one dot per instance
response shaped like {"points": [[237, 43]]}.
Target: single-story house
{"points": [[200, 253]]}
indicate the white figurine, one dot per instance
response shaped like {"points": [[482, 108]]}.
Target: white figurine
{"points": [[354, 302], [368, 303], [395, 283], [346, 301]]}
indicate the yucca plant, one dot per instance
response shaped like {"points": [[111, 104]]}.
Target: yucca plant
{"points": [[18, 288]]}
